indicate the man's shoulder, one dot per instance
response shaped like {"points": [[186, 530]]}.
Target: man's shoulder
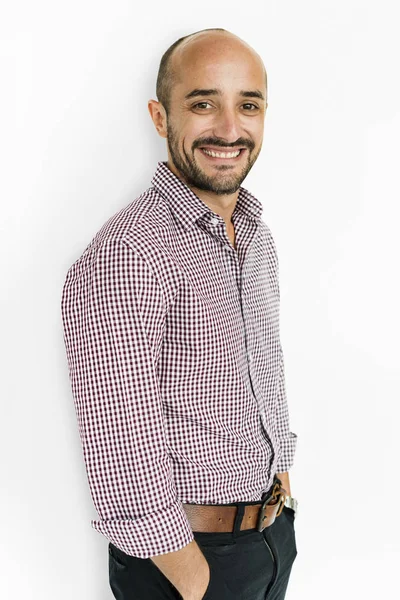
{"points": [[141, 227], [138, 219], [135, 225]]}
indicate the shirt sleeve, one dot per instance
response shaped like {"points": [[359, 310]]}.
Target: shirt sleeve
{"points": [[287, 439], [113, 313]]}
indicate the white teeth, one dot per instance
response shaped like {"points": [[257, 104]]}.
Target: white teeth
{"points": [[221, 154]]}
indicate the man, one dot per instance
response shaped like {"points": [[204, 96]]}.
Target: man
{"points": [[171, 321]]}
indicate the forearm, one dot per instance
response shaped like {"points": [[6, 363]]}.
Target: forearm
{"points": [[187, 569], [284, 477]]}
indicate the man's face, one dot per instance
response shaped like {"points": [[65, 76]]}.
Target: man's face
{"points": [[215, 123]]}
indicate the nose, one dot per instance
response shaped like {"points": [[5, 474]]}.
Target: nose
{"points": [[227, 125]]}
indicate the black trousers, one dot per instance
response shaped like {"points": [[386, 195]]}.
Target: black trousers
{"points": [[244, 565]]}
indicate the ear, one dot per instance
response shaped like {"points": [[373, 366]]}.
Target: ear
{"points": [[159, 117]]}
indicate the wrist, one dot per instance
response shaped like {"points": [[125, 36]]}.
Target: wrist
{"points": [[292, 503]]}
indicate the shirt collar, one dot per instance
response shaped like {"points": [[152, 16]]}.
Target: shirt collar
{"points": [[188, 206]]}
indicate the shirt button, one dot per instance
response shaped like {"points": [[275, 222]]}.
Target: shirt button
{"points": [[214, 221]]}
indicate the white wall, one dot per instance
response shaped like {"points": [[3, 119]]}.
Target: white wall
{"points": [[78, 144]]}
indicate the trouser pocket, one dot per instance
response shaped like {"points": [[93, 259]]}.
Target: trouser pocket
{"points": [[139, 578], [216, 589]]}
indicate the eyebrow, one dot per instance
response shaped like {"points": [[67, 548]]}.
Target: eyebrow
{"points": [[252, 94], [214, 92]]}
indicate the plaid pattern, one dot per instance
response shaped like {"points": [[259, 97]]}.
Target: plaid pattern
{"points": [[175, 362]]}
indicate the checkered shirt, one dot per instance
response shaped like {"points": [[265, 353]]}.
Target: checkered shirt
{"points": [[175, 362]]}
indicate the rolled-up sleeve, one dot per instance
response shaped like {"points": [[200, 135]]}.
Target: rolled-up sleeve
{"points": [[287, 439], [113, 312]]}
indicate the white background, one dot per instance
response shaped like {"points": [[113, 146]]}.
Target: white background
{"points": [[77, 144]]}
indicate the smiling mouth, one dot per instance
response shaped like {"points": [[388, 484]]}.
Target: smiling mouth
{"points": [[219, 154]]}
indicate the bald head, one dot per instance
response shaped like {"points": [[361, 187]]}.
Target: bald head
{"points": [[201, 50]]}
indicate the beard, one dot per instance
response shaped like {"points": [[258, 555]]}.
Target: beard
{"points": [[223, 182]]}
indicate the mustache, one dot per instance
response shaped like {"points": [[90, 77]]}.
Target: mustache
{"points": [[210, 141]]}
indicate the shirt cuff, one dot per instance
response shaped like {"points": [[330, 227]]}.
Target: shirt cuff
{"points": [[164, 530], [287, 452]]}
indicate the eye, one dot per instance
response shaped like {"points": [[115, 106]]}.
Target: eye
{"points": [[249, 106], [201, 105]]}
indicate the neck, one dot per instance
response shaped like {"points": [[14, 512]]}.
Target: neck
{"points": [[222, 204]]}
